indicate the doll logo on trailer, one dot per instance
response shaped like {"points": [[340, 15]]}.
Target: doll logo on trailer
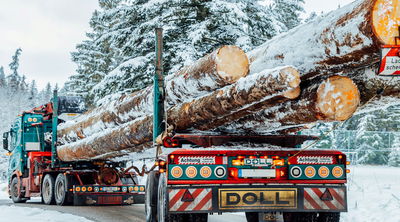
{"points": [[390, 61]]}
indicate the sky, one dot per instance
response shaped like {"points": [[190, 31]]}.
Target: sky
{"points": [[48, 31]]}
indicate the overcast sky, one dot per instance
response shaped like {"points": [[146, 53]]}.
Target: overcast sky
{"points": [[48, 30]]}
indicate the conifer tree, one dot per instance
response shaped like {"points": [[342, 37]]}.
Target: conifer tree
{"points": [[14, 79]]}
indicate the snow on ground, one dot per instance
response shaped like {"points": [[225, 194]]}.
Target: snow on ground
{"points": [[13, 213], [373, 194]]}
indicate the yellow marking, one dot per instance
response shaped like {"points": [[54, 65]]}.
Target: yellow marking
{"points": [[257, 198]]}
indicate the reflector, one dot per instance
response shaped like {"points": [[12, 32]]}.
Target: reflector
{"points": [[187, 196], [326, 196]]}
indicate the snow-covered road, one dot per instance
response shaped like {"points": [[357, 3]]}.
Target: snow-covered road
{"points": [[373, 194]]}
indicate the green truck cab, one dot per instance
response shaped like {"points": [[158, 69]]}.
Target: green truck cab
{"points": [[34, 170]]}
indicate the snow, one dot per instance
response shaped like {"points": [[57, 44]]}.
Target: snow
{"points": [[14, 213]]}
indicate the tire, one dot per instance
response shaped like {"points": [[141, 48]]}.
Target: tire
{"points": [[15, 193], [329, 217], [300, 217], [151, 197], [48, 190], [202, 217], [61, 190], [162, 203], [252, 216]]}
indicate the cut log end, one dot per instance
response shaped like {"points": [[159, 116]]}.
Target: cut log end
{"points": [[386, 20], [292, 94], [232, 63], [292, 75], [337, 99]]}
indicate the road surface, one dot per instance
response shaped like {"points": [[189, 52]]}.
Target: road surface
{"points": [[133, 213]]}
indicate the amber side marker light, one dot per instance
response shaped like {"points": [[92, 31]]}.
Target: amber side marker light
{"points": [[347, 171], [279, 162]]}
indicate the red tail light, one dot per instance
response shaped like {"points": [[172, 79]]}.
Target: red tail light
{"points": [[171, 143]]}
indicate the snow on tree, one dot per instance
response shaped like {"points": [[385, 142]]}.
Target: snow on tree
{"points": [[394, 156], [118, 56], [370, 145], [3, 81], [14, 79], [288, 11]]}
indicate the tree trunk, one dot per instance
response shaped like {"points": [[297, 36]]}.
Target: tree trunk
{"points": [[336, 99], [205, 112], [218, 69], [338, 42]]}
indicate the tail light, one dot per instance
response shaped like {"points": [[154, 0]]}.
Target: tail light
{"points": [[171, 143]]}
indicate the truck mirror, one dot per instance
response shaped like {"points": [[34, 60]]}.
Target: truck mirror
{"points": [[5, 141]]}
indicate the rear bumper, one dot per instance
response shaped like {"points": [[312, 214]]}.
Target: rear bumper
{"points": [[258, 198], [107, 199]]}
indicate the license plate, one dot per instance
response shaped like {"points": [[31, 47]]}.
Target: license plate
{"points": [[258, 198], [257, 162], [257, 173], [110, 189]]}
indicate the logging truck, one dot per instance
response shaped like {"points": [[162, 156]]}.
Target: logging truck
{"points": [[36, 171], [197, 175]]}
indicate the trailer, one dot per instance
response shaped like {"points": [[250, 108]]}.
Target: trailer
{"points": [[205, 174], [35, 171]]}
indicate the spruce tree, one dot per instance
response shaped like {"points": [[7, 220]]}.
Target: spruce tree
{"points": [[3, 82], [14, 80], [118, 56], [288, 11]]}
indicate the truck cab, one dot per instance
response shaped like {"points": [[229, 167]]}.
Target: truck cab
{"points": [[34, 169]]}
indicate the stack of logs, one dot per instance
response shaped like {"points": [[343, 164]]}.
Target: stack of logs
{"points": [[316, 72]]}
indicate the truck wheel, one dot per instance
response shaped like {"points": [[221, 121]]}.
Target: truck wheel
{"points": [[329, 217], [203, 217], [252, 216], [300, 217], [61, 190], [16, 195], [151, 197], [48, 190], [162, 204]]}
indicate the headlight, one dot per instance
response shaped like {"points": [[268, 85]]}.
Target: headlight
{"points": [[296, 172], [219, 171]]}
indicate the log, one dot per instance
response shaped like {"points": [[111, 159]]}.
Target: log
{"points": [[222, 67], [196, 114], [335, 99], [336, 43]]}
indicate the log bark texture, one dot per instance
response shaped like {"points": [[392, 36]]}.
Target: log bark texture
{"points": [[222, 67], [335, 99], [207, 111], [336, 43]]}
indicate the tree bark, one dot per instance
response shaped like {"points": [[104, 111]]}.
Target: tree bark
{"points": [[205, 112], [336, 43], [222, 67], [336, 99]]}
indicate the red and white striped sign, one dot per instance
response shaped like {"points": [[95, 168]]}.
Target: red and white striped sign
{"points": [[324, 198], [390, 61], [202, 200]]}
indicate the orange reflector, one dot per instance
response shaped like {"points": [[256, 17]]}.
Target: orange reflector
{"points": [[187, 196], [238, 162], [77, 189], [279, 162], [89, 189], [130, 189], [205, 172], [141, 188], [347, 162], [176, 171], [136, 188], [347, 171], [191, 172], [83, 189], [323, 172], [310, 171], [337, 172]]}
